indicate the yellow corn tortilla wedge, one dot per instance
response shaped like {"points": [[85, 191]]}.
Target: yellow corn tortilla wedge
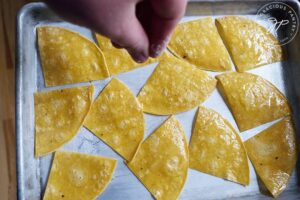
{"points": [[118, 60], [67, 57], [58, 116], [199, 43], [175, 86], [249, 44], [78, 176], [161, 163], [116, 117], [216, 148], [273, 153], [252, 100]]}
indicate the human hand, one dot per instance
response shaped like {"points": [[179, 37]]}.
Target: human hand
{"points": [[141, 27]]}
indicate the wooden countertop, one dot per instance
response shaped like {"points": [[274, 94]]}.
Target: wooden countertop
{"points": [[8, 11]]}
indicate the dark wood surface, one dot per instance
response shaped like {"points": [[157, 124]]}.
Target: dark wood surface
{"points": [[8, 11]]}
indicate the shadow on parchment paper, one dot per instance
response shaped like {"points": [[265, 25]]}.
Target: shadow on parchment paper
{"points": [[40, 76], [43, 189], [193, 125]]}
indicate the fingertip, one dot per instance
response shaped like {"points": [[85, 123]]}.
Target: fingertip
{"points": [[138, 56], [134, 39], [166, 15], [157, 48]]}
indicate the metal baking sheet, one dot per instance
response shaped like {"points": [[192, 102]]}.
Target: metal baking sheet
{"points": [[32, 173]]}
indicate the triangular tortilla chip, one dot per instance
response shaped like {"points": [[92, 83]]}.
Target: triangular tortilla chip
{"points": [[161, 163], [252, 100], [118, 60], [117, 118], [59, 115], [67, 57], [175, 86], [273, 153], [250, 44], [199, 43], [78, 176], [217, 149]]}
